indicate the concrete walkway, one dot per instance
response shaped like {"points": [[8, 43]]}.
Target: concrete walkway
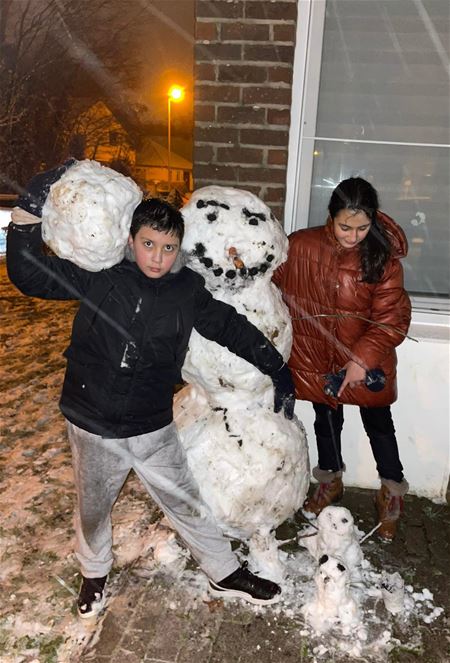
{"points": [[156, 620]]}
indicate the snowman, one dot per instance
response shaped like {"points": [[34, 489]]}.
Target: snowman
{"points": [[336, 535], [333, 604], [251, 464]]}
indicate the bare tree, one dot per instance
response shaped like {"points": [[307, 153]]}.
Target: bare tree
{"points": [[57, 57]]}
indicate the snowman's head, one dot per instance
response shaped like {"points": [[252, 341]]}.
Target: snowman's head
{"points": [[231, 237], [336, 520], [331, 574]]}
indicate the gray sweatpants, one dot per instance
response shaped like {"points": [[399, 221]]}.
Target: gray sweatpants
{"points": [[101, 466]]}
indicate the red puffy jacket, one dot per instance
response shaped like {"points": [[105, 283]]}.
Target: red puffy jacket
{"points": [[320, 281]]}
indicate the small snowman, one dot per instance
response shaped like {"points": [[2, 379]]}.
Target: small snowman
{"points": [[337, 536], [251, 464], [333, 604]]}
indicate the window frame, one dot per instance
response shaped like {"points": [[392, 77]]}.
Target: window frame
{"points": [[302, 135]]}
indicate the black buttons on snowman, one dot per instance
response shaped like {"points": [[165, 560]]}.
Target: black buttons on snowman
{"points": [[199, 250]]}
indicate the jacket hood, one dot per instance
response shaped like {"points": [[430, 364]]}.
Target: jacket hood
{"points": [[396, 235]]}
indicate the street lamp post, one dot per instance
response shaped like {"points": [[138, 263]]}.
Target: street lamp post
{"points": [[175, 94]]}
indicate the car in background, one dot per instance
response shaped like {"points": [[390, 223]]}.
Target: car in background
{"points": [[7, 202]]}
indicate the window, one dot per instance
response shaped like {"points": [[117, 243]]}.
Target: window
{"points": [[114, 138], [373, 97]]}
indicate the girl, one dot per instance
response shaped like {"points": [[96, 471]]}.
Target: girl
{"points": [[343, 284]]}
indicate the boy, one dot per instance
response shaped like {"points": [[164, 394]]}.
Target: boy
{"points": [[128, 344]]}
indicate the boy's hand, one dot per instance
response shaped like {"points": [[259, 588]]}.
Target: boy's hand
{"points": [[284, 391], [21, 218], [36, 193]]}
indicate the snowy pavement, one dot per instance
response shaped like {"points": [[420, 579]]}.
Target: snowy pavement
{"points": [[159, 617], [159, 611]]}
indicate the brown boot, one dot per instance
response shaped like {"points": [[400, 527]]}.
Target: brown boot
{"points": [[324, 495], [389, 508]]}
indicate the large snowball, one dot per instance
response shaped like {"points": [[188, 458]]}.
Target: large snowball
{"points": [[250, 464], [87, 215]]}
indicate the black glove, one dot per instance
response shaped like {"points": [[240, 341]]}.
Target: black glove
{"points": [[375, 381], [36, 193], [284, 391]]}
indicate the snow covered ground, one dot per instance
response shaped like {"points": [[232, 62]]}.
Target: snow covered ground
{"points": [[38, 573]]}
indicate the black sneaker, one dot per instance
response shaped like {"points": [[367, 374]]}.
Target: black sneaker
{"points": [[245, 585], [91, 598]]}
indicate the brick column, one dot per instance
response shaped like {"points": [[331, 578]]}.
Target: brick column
{"points": [[243, 76]]}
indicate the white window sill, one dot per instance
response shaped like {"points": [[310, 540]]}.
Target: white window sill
{"points": [[429, 324]]}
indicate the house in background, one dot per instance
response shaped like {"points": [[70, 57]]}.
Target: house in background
{"points": [[103, 137], [152, 164], [109, 141]]}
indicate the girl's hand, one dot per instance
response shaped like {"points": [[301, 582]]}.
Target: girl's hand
{"points": [[353, 376]]}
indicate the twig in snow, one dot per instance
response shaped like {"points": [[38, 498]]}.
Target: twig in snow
{"points": [[370, 533], [283, 543], [305, 536], [305, 520]]}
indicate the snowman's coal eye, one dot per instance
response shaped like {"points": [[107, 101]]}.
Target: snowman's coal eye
{"points": [[200, 204], [253, 217], [341, 568], [212, 216], [323, 559]]}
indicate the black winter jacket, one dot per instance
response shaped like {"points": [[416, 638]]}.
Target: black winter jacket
{"points": [[129, 336]]}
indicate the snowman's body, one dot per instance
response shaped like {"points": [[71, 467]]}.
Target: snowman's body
{"points": [[250, 463]]}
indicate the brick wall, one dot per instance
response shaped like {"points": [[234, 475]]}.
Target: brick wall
{"points": [[244, 55]]}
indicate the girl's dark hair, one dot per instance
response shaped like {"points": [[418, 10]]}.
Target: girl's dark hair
{"points": [[159, 215], [358, 195]]}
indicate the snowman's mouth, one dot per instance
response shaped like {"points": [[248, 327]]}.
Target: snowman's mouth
{"points": [[237, 266]]}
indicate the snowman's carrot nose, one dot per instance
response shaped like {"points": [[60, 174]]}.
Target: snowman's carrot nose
{"points": [[238, 263]]}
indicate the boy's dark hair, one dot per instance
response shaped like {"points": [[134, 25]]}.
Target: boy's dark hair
{"points": [[359, 195], [159, 215]]}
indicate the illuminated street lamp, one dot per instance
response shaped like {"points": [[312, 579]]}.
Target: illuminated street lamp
{"points": [[175, 94]]}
